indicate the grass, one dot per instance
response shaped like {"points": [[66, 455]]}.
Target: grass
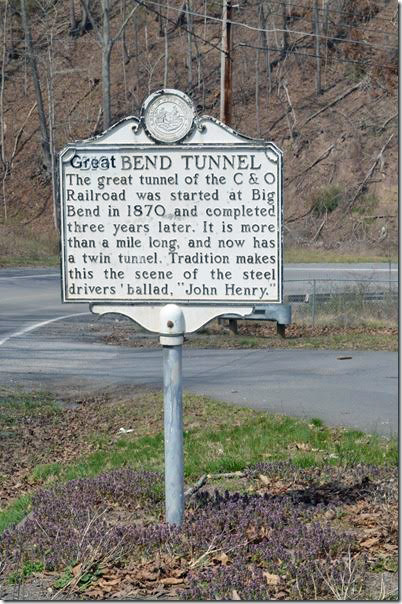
{"points": [[15, 405], [28, 569], [299, 255], [218, 438], [344, 340], [15, 512], [22, 246]]}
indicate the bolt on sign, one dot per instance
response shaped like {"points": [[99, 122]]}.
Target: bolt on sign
{"points": [[171, 207]]}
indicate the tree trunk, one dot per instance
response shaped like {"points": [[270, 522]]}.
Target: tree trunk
{"points": [[189, 21], [285, 39], [264, 43], [106, 51], [166, 57], [47, 161], [126, 57], [317, 49], [73, 19], [84, 24], [257, 91], [326, 17], [226, 64], [106, 105], [2, 123]]}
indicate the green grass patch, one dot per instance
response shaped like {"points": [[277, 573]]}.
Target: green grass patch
{"points": [[17, 404], [27, 570], [220, 438], [42, 471], [14, 512]]}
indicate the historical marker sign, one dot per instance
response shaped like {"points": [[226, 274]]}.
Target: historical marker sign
{"points": [[171, 208]]}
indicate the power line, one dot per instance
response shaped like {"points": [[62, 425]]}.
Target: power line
{"points": [[350, 25], [276, 29], [256, 4], [330, 10], [141, 3], [304, 54]]}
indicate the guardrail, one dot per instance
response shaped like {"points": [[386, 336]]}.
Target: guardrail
{"points": [[342, 300]]}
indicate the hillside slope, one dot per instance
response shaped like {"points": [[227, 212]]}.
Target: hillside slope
{"points": [[340, 146]]}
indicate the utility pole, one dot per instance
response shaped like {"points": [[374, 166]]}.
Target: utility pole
{"points": [[226, 82], [226, 64]]}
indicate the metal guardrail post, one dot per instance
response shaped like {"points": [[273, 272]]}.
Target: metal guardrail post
{"points": [[313, 305]]}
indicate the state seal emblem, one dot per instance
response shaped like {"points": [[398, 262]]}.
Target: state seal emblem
{"points": [[168, 117]]}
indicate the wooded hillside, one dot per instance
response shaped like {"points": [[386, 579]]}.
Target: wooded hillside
{"points": [[317, 77]]}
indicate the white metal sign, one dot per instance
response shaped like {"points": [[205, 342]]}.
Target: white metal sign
{"points": [[171, 208]]}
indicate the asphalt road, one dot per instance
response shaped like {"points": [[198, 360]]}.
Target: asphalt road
{"points": [[29, 297], [361, 391]]}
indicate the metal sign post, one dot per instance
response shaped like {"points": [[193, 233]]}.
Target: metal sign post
{"points": [[172, 326], [171, 220]]}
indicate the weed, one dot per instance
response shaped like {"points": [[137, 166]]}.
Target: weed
{"points": [[355, 72], [65, 579], [317, 422], [27, 570], [388, 564], [366, 203], [43, 471], [326, 200], [248, 342], [15, 512], [232, 439]]}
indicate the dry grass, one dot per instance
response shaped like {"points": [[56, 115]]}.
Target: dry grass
{"points": [[28, 246]]}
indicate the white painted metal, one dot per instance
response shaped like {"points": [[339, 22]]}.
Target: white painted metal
{"points": [[198, 222], [149, 316]]}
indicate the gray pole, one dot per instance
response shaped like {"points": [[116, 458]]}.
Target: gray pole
{"points": [[313, 308], [173, 428], [172, 328]]}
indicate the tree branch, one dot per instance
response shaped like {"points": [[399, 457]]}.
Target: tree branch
{"points": [[370, 172], [94, 24], [315, 162], [332, 103], [123, 25], [200, 483]]}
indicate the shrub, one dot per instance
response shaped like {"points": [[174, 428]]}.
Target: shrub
{"points": [[326, 200]]}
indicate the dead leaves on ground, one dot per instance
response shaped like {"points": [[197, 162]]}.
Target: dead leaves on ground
{"points": [[377, 525], [155, 579]]}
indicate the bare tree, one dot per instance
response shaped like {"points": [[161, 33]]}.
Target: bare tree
{"points": [[189, 21], [46, 155], [73, 18], [126, 57], [264, 43], [2, 121], [79, 26], [317, 49], [166, 57], [106, 43], [226, 64], [257, 90], [285, 38]]}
